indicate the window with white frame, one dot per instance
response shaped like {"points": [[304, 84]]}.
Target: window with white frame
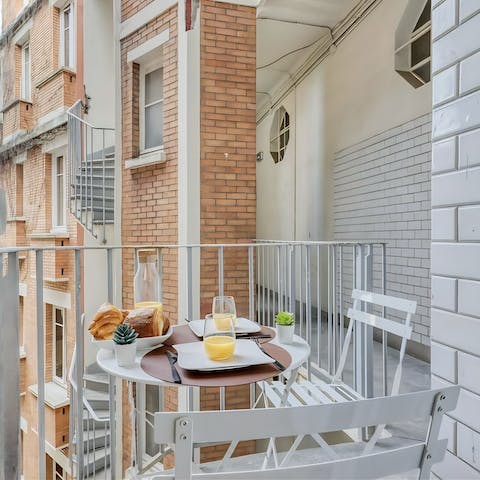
{"points": [[59, 344], [58, 472], [279, 134], [26, 72], [67, 38], [151, 107], [58, 192]]}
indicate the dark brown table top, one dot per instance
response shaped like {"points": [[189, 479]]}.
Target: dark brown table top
{"points": [[156, 363]]}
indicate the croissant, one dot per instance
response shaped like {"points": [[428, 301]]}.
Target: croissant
{"points": [[105, 321]]}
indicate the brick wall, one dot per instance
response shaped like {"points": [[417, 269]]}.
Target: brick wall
{"points": [[149, 194], [29, 192], [10, 10], [227, 165], [51, 88], [149, 208], [131, 7], [19, 116], [455, 227], [382, 192], [227, 126]]}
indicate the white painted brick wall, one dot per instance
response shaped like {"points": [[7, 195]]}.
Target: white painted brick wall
{"points": [[382, 192], [444, 293], [456, 246]]}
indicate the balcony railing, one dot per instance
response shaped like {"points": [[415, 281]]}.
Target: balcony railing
{"points": [[313, 279], [91, 155]]}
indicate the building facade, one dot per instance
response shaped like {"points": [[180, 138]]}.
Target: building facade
{"points": [[39, 84], [43, 74]]}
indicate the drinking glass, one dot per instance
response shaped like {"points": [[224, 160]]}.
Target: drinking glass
{"points": [[219, 337], [224, 306]]}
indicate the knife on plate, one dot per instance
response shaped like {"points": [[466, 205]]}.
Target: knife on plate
{"points": [[172, 360], [277, 364]]}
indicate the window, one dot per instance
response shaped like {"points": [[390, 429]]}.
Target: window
{"points": [[151, 108], [413, 43], [58, 192], [59, 344], [26, 80], [67, 39], [279, 134], [58, 473]]}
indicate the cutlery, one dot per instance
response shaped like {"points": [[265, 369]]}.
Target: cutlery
{"points": [[277, 364], [172, 359], [249, 336]]}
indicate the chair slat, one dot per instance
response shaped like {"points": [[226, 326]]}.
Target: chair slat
{"points": [[328, 390], [277, 422], [303, 393], [320, 396], [401, 304], [377, 465], [271, 393], [380, 322]]}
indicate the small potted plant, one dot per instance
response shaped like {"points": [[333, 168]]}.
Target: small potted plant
{"points": [[285, 326], [124, 338]]}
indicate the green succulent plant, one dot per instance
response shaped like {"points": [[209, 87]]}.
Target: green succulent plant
{"points": [[124, 334], [285, 318]]}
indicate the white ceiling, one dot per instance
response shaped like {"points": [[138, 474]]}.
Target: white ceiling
{"points": [[278, 35]]}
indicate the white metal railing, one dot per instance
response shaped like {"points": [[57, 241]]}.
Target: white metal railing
{"points": [[313, 279], [91, 171]]}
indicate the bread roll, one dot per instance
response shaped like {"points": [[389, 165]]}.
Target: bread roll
{"points": [[147, 322], [105, 321]]}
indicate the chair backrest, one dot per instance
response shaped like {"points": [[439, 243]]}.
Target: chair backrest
{"points": [[189, 430], [358, 314]]}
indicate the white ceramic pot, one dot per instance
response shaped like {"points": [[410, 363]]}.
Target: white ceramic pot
{"points": [[285, 333], [125, 354]]}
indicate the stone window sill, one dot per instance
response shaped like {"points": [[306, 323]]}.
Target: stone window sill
{"points": [[55, 395], [147, 158]]}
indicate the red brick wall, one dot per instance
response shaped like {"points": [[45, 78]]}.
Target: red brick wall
{"points": [[150, 203], [228, 126], [131, 7], [31, 197], [149, 194], [227, 182]]}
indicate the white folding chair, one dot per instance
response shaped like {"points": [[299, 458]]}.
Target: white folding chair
{"points": [[331, 389], [391, 456]]}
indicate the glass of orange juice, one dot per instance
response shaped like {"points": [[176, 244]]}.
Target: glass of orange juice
{"points": [[224, 307], [219, 337]]}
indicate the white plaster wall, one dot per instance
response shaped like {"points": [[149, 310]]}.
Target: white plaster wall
{"points": [[276, 183], [100, 86], [354, 94], [350, 98], [98, 44]]}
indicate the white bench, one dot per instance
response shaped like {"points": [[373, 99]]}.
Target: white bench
{"points": [[391, 456]]}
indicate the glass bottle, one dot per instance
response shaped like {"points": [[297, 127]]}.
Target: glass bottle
{"points": [[147, 281]]}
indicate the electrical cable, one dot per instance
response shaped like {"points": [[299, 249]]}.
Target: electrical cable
{"points": [[288, 54]]}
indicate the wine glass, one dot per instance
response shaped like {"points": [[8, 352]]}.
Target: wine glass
{"points": [[219, 337], [224, 306]]}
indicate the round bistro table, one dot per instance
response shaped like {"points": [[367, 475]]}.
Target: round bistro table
{"points": [[298, 350], [293, 356]]}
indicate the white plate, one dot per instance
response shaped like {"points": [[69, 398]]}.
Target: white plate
{"points": [[243, 326], [192, 356], [142, 343]]}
